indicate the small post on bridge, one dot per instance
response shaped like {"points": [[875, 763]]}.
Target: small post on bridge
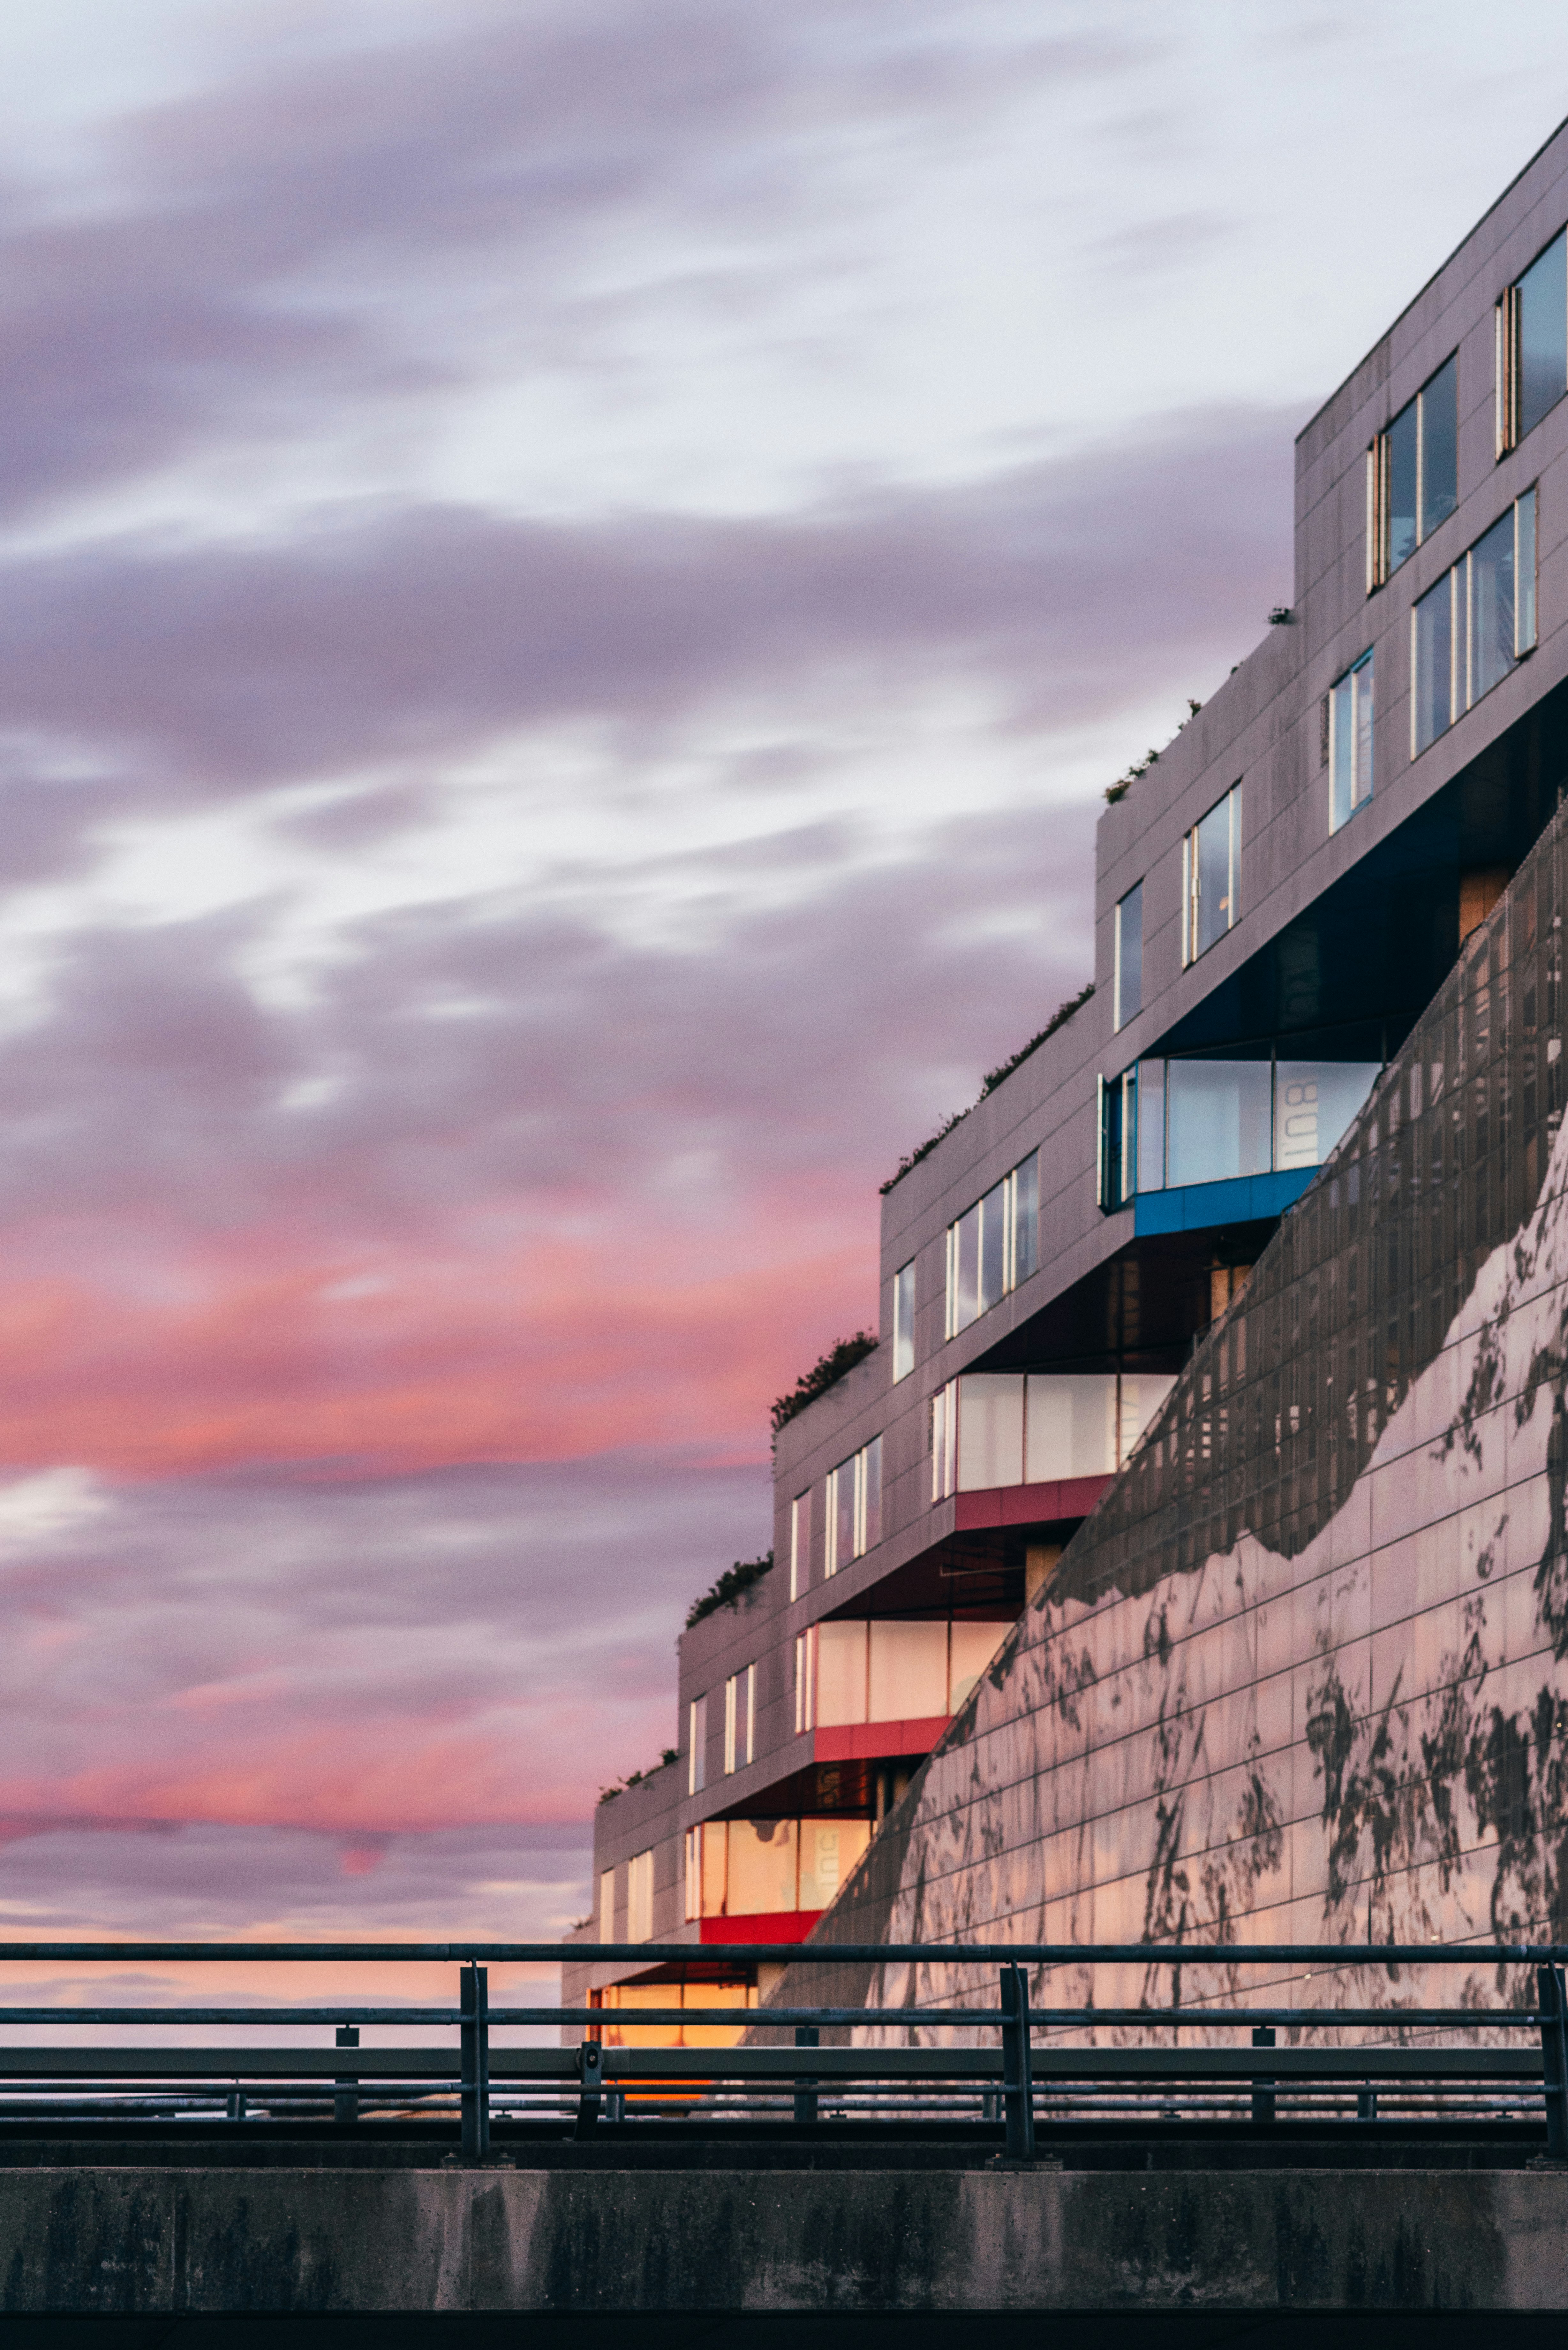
{"points": [[1017, 2079], [475, 2035], [346, 2099], [807, 2035], [1553, 2005], [1262, 2083]]}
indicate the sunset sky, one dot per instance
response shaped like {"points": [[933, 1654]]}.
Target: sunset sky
{"points": [[570, 579]]}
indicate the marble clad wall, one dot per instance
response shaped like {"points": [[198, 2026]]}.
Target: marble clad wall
{"points": [[1303, 1675]]}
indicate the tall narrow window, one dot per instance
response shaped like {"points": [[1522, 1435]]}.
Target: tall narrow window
{"points": [[1025, 1181], [1532, 345], [606, 1905], [799, 1543], [1116, 1163], [1413, 474], [1350, 741], [1474, 626], [855, 1506], [696, 1768], [1129, 957], [806, 1682], [640, 1897], [1210, 871], [732, 1698], [749, 1719], [904, 1321], [869, 1531]]}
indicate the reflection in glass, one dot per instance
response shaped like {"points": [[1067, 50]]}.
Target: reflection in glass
{"points": [[1491, 607], [1402, 449], [1350, 731], [1129, 957], [1149, 1080], [1433, 630], [992, 1246], [990, 1430], [904, 1321], [1027, 1218], [871, 1496], [761, 1868], [1542, 330], [1218, 1115], [1214, 874], [1314, 1102], [1439, 406], [1524, 574], [1071, 1426], [963, 1295]]}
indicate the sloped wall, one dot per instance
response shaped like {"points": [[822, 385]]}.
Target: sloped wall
{"points": [[1302, 1676]]}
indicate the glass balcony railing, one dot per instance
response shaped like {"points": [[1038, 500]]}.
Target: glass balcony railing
{"points": [[1030, 1428], [1166, 1124]]}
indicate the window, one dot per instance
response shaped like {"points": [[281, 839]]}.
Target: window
{"points": [[806, 1682], [1412, 474], [1474, 626], [1532, 345], [1210, 875], [640, 1897], [762, 1868], [799, 1543], [1040, 1428], [606, 1905], [995, 1245], [855, 1506], [904, 1321], [1117, 1160], [1350, 742], [1128, 990], [696, 1768], [1212, 1118], [740, 1720]]}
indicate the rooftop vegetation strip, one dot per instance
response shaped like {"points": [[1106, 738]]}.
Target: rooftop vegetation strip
{"points": [[993, 1077], [636, 1778], [727, 1590], [824, 1373]]}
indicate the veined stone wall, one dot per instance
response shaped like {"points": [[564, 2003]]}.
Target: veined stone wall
{"points": [[1302, 1675]]}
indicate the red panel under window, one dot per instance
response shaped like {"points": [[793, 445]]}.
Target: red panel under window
{"points": [[767, 1926], [867, 1742], [1027, 1505]]}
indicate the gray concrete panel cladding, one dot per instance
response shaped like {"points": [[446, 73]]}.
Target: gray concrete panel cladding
{"points": [[1303, 1673]]}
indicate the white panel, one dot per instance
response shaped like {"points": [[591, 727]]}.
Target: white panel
{"points": [[840, 1674], [909, 1671], [990, 1430], [1072, 1426]]}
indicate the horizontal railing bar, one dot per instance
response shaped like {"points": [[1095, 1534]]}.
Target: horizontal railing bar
{"points": [[1185, 2019], [1335, 1956], [704, 2066]]}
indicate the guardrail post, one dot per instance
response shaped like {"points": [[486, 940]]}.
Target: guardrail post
{"points": [[1262, 2083], [1553, 2005], [345, 2100], [807, 2035], [474, 2036], [591, 2073], [1017, 2081]]}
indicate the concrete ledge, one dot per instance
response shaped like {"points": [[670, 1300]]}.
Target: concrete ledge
{"points": [[127, 2241]]}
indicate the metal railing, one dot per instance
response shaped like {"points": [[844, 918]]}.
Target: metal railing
{"points": [[1031, 2072]]}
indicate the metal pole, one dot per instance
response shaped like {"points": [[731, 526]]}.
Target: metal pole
{"points": [[346, 2102], [1262, 2083], [591, 2071], [1017, 2082], [807, 2035], [1553, 2005], [475, 2032]]}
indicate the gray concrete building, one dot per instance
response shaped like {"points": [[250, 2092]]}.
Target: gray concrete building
{"points": [[1018, 1664]]}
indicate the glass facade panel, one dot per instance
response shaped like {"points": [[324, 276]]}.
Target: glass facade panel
{"points": [[761, 1866], [904, 1321], [799, 1543], [1524, 574], [697, 1733], [990, 1430], [1439, 447], [1149, 1078], [1071, 1427], [993, 1247], [1141, 1395], [972, 1648], [1350, 734], [829, 1849], [640, 1897], [1491, 654], [1403, 523], [1213, 874], [908, 1669], [606, 1905], [1314, 1101], [1027, 1218], [840, 1674], [870, 1527], [1432, 632], [1542, 331], [963, 1271], [841, 1516], [1218, 1121], [1129, 957]]}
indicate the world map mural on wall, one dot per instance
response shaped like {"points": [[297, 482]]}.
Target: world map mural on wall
{"points": [[1302, 1676]]}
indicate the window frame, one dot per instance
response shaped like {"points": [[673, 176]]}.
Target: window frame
{"points": [[1019, 1213], [800, 1543], [1122, 1012], [903, 1321], [1509, 368], [1347, 678], [1380, 568], [1457, 584]]}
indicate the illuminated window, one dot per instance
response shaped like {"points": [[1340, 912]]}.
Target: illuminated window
{"points": [[697, 1767], [640, 1897], [995, 1245], [799, 1543], [904, 1321], [854, 1506], [1210, 877]]}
